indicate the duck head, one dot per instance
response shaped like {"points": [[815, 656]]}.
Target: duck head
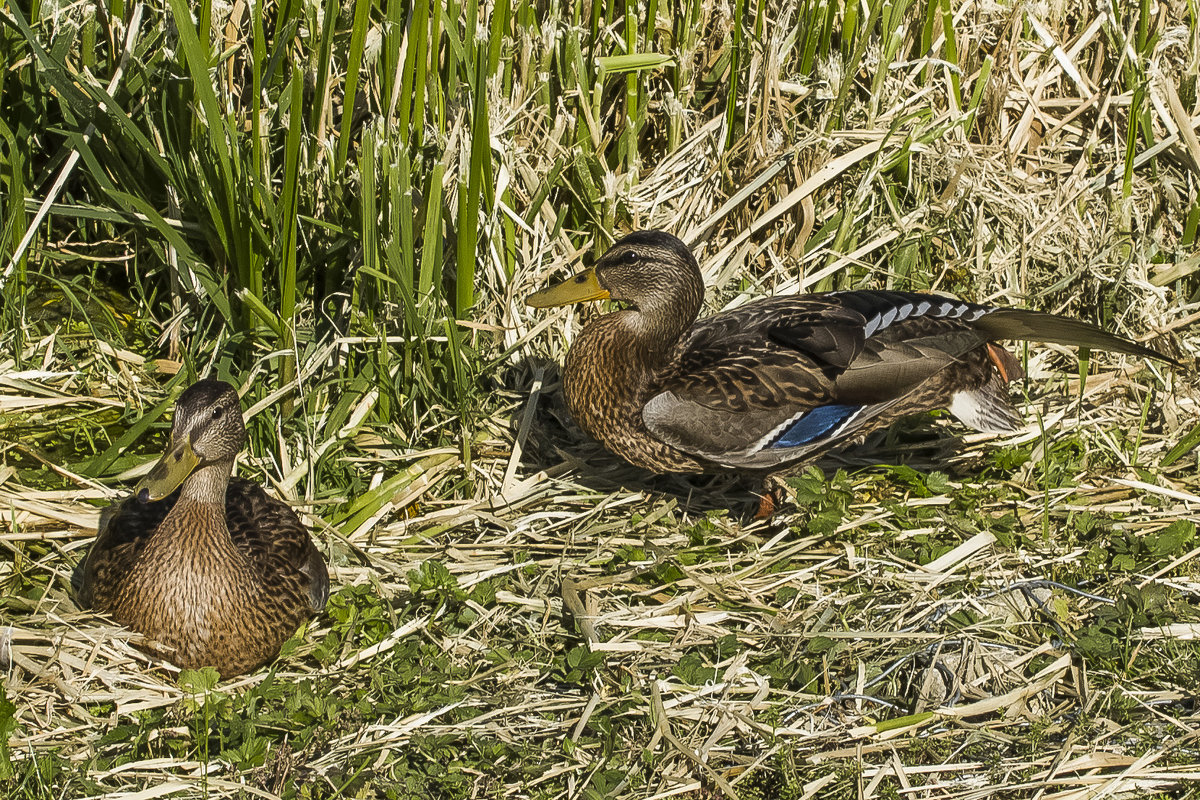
{"points": [[208, 429], [652, 271]]}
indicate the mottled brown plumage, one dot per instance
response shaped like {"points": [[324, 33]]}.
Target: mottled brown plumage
{"points": [[782, 379], [217, 573]]}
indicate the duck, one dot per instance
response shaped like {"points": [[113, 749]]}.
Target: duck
{"points": [[211, 570], [780, 380]]}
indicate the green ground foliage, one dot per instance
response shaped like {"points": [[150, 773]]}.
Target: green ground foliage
{"points": [[339, 207]]}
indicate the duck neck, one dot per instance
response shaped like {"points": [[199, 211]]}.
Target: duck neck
{"points": [[206, 486], [196, 524], [658, 322]]}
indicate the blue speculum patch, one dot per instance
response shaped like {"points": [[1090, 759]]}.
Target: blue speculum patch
{"points": [[815, 424]]}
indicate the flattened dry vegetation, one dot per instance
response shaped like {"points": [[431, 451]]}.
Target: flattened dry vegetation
{"points": [[344, 224]]}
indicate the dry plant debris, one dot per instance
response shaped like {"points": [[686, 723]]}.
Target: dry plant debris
{"points": [[524, 616]]}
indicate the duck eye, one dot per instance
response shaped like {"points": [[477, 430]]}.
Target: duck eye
{"points": [[217, 412], [631, 257]]}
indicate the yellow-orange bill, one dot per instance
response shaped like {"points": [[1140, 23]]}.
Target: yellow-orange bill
{"points": [[175, 465], [578, 289]]}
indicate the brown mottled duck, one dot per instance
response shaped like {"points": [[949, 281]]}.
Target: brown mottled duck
{"points": [[212, 571], [782, 379]]}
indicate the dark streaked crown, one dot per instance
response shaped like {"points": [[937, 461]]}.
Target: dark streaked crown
{"points": [[202, 394]]}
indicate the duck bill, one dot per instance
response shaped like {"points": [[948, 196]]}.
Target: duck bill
{"points": [[175, 465], [579, 289]]}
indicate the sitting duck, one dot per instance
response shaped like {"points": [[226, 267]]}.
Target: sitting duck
{"points": [[211, 570], [780, 380]]}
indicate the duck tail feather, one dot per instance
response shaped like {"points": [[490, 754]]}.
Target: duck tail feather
{"points": [[1036, 326]]}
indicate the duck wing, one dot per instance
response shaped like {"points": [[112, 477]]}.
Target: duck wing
{"points": [[270, 534], [782, 378], [741, 379], [124, 529]]}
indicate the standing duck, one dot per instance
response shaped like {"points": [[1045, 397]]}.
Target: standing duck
{"points": [[212, 572], [782, 379]]}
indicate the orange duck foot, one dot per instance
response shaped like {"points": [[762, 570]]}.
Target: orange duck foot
{"points": [[771, 499]]}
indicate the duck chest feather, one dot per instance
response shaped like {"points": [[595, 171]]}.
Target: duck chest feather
{"points": [[607, 379], [205, 614]]}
